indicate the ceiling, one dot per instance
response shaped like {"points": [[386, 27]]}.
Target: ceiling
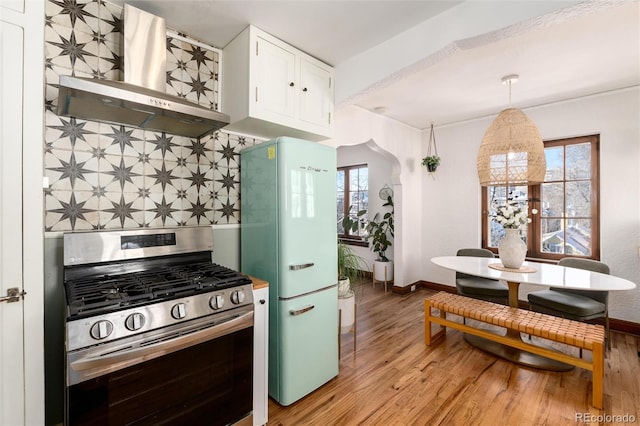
{"points": [[558, 56], [330, 30]]}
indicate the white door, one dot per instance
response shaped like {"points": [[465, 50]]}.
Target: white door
{"points": [[11, 314], [21, 207], [275, 79], [316, 93]]}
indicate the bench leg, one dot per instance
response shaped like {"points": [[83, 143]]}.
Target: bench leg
{"points": [[428, 337], [598, 375]]}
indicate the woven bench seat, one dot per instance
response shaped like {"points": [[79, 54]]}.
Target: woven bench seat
{"points": [[578, 334]]}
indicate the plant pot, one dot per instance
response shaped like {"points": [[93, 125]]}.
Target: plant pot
{"points": [[383, 271], [346, 305], [344, 287], [512, 249], [431, 167]]}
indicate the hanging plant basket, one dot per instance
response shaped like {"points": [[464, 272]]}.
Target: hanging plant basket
{"points": [[432, 160]]}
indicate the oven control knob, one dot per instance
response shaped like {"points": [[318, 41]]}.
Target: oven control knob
{"points": [[101, 329], [217, 301], [179, 311], [134, 322], [237, 297]]}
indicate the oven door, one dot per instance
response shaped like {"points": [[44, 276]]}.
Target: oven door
{"points": [[199, 372]]}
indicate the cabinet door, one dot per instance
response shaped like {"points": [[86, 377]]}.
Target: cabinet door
{"points": [[22, 358], [316, 93], [275, 78]]}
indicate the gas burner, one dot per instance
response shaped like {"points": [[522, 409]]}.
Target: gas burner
{"points": [[113, 294], [92, 294]]}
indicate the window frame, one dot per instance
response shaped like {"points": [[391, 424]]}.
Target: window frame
{"points": [[535, 192], [348, 238]]}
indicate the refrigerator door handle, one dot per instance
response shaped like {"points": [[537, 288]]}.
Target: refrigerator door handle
{"points": [[302, 311], [300, 266]]}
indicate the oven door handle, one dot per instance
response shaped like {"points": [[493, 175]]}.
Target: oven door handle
{"points": [[111, 361]]}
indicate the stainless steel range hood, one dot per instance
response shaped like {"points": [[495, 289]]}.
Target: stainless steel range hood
{"points": [[140, 100]]}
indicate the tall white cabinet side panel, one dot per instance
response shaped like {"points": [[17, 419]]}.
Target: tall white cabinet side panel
{"points": [[11, 314], [24, 396], [236, 78], [260, 356]]}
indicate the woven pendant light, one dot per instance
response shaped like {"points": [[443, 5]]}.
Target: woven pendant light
{"points": [[511, 152]]}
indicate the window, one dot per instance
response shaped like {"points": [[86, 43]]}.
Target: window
{"points": [[353, 196], [566, 222]]}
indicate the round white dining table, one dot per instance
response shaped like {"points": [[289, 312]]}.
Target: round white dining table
{"points": [[544, 274]]}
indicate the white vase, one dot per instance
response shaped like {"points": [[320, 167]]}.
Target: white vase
{"points": [[512, 249], [346, 305], [383, 271], [344, 287]]}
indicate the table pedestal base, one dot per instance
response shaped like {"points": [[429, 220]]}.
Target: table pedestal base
{"points": [[516, 355]]}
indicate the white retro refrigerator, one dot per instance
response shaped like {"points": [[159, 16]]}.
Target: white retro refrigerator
{"points": [[288, 237]]}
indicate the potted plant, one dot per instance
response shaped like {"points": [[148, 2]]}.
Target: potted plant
{"points": [[431, 162], [380, 231], [350, 268]]}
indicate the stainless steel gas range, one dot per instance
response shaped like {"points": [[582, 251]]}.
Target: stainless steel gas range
{"points": [[156, 332]]}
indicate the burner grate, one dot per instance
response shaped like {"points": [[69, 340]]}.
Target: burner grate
{"points": [[92, 295]]}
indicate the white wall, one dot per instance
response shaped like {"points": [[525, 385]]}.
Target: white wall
{"points": [[380, 172], [451, 202], [401, 145]]}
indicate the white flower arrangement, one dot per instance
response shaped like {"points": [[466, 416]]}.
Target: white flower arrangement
{"points": [[512, 216]]}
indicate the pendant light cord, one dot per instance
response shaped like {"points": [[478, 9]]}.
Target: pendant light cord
{"points": [[432, 142]]}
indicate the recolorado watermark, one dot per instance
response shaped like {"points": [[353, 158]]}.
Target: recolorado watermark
{"points": [[604, 418]]}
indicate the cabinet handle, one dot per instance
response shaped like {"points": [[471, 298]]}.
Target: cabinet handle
{"points": [[291, 84], [304, 90]]}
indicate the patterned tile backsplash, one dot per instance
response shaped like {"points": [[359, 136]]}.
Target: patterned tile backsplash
{"points": [[105, 176]]}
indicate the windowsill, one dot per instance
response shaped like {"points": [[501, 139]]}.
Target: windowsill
{"points": [[539, 260], [352, 242]]}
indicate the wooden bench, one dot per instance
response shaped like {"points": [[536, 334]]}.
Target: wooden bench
{"points": [[573, 333]]}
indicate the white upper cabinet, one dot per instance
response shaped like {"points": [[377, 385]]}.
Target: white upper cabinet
{"points": [[272, 89], [274, 73]]}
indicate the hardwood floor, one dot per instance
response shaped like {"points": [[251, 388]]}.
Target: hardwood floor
{"points": [[394, 379]]}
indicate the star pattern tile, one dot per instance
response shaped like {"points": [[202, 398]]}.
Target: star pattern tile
{"points": [[73, 211], [105, 176], [123, 137], [121, 211], [74, 10], [162, 176], [71, 170], [163, 213]]}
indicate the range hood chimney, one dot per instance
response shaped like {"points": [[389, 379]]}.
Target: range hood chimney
{"points": [[140, 100]]}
